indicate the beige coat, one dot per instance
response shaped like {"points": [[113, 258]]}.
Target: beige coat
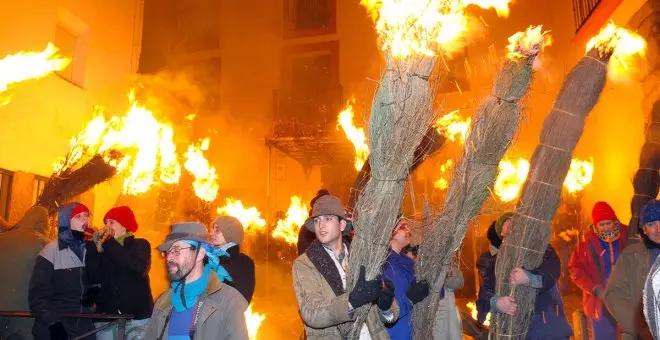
{"points": [[623, 296], [322, 312], [222, 315]]}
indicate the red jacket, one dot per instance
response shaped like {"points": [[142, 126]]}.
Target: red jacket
{"points": [[587, 270]]}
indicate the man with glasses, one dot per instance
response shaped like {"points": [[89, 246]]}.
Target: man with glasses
{"points": [[198, 305]]}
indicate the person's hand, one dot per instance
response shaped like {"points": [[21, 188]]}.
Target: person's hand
{"points": [[365, 291], [386, 295], [519, 277], [89, 298], [506, 305], [57, 331], [418, 291]]}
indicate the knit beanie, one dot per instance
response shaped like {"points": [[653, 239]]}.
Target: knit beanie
{"points": [[80, 208], [231, 228], [651, 212], [499, 225], [602, 212], [124, 216], [493, 237]]}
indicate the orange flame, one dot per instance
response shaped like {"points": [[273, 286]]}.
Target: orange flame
{"points": [[529, 43], [419, 27], [288, 228], [453, 126], [442, 182], [623, 46], [206, 179], [15, 68], [510, 179], [579, 175], [474, 313], [250, 218], [145, 144], [355, 135], [253, 321]]}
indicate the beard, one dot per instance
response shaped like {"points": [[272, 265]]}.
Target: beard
{"points": [[177, 275]]}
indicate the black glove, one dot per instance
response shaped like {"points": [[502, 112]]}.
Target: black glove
{"points": [[58, 332], [386, 295], [89, 298], [417, 291], [365, 291]]}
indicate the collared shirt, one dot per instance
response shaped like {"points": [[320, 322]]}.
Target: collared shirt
{"points": [[227, 246]]}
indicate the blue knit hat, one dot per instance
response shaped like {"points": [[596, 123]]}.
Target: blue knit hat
{"points": [[651, 212]]}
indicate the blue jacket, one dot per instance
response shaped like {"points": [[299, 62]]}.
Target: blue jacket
{"points": [[399, 269], [486, 267]]}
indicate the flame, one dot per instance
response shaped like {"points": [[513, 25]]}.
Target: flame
{"points": [[419, 27], [579, 175], [510, 179], [453, 126], [474, 313], [145, 146], [355, 135], [253, 321], [442, 182], [15, 68], [529, 43], [623, 46], [288, 228], [206, 179], [250, 218]]}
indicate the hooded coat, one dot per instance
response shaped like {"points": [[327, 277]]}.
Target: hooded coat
{"points": [[22, 244], [58, 282]]}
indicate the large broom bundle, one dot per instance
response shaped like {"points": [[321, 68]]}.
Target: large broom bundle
{"points": [[491, 133], [400, 116], [529, 233]]}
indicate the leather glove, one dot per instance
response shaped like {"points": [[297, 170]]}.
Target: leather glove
{"points": [[101, 236], [418, 291], [89, 298], [365, 291], [58, 332], [386, 295]]}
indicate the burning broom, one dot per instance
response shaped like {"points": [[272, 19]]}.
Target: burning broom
{"points": [[528, 236], [495, 125]]}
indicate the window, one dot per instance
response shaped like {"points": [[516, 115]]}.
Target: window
{"points": [[66, 42], [39, 184], [197, 26], [5, 192], [582, 9], [309, 17], [72, 38]]}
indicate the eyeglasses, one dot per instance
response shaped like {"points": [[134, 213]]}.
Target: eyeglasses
{"points": [[174, 251]]}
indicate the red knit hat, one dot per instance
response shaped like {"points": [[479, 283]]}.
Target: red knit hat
{"points": [[124, 215], [602, 212], [80, 208]]}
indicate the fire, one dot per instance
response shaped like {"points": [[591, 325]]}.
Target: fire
{"points": [[510, 179], [253, 321], [288, 228], [579, 175], [474, 313], [442, 183], [206, 179], [355, 135], [250, 218], [453, 126], [15, 68], [419, 27], [145, 145], [622, 44], [529, 43]]}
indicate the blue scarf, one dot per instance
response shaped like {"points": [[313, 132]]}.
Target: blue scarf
{"points": [[213, 255], [192, 291]]}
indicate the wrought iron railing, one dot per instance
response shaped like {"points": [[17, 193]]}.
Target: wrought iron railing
{"points": [[112, 319], [582, 10]]}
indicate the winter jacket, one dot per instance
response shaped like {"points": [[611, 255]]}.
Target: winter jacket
{"points": [[549, 320], [623, 296], [221, 317], [324, 312], [241, 269], [21, 244], [123, 275], [486, 268], [399, 269], [58, 282], [588, 267]]}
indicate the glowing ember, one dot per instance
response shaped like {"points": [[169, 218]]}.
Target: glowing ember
{"points": [[288, 228], [568, 234], [474, 313], [510, 179], [355, 135], [249, 217], [206, 179], [623, 46], [419, 27], [442, 183], [15, 68], [253, 321], [579, 175], [529, 43], [453, 126], [145, 145]]}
